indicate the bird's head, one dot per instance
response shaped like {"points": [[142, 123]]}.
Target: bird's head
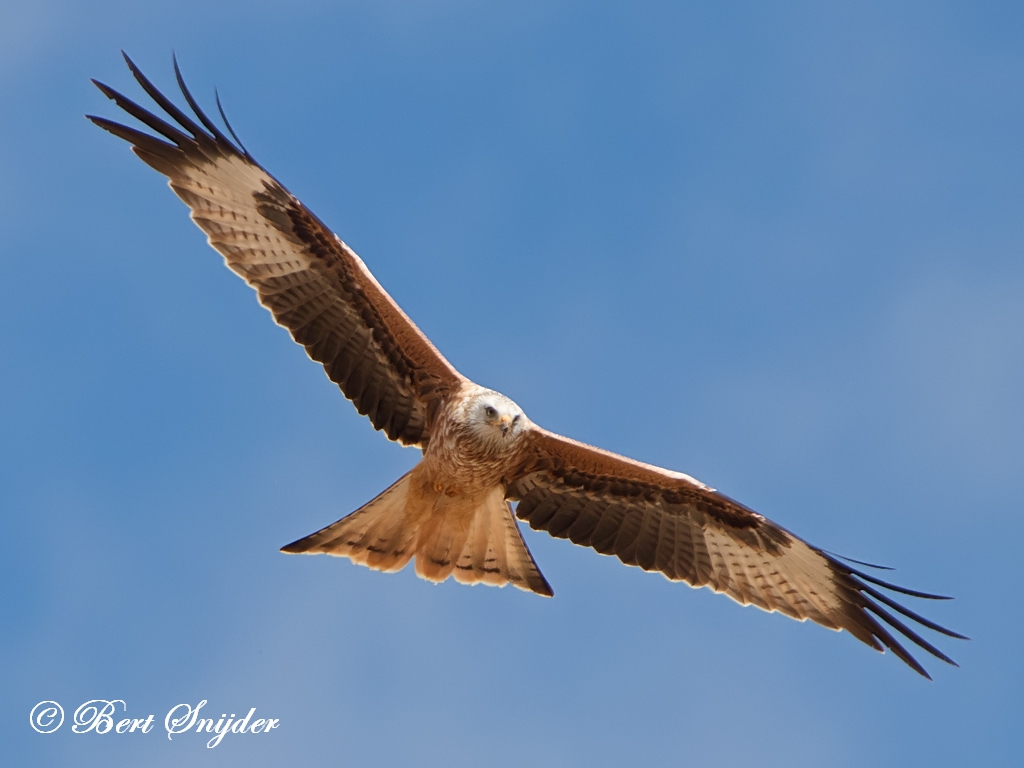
{"points": [[495, 418]]}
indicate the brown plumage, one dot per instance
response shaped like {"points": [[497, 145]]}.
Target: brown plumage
{"points": [[452, 512]]}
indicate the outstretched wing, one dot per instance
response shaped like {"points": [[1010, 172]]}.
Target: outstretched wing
{"points": [[312, 283], [668, 522]]}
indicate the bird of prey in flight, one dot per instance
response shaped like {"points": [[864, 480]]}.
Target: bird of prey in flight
{"points": [[453, 511]]}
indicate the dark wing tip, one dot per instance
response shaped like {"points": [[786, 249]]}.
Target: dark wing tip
{"points": [[227, 123], [894, 587], [193, 138], [908, 613], [105, 89], [864, 608], [206, 121], [859, 562]]}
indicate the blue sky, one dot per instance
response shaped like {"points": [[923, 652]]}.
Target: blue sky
{"points": [[775, 246]]}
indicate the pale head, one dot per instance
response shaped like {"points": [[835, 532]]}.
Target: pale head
{"points": [[494, 418]]}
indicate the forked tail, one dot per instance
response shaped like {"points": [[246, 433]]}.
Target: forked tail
{"points": [[476, 540]]}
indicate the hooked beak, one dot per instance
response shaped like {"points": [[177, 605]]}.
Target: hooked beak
{"points": [[505, 422]]}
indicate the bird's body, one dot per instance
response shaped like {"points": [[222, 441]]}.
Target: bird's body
{"points": [[452, 512], [478, 435]]}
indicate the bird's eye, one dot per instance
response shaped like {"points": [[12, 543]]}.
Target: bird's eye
{"points": [[491, 413], [515, 419]]}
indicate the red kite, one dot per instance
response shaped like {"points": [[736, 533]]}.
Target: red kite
{"points": [[452, 512]]}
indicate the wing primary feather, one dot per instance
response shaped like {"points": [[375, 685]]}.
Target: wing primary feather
{"points": [[888, 585], [894, 645], [131, 135], [858, 562], [907, 632], [165, 158], [166, 104], [227, 123], [145, 116], [907, 612], [194, 105]]}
